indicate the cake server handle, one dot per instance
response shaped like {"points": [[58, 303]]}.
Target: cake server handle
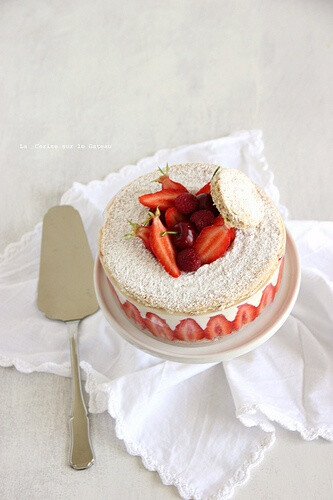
{"points": [[81, 454]]}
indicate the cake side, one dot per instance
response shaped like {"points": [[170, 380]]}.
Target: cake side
{"points": [[199, 328]]}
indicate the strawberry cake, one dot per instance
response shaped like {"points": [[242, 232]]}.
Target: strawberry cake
{"points": [[193, 252]]}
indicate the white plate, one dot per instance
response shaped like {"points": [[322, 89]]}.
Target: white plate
{"points": [[231, 346]]}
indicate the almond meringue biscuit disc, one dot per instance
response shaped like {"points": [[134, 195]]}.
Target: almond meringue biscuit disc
{"points": [[237, 198], [246, 267]]}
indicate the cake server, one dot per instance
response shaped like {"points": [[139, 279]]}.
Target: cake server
{"points": [[66, 293]]}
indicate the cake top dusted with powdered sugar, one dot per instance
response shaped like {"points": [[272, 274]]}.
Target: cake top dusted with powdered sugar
{"points": [[246, 266]]}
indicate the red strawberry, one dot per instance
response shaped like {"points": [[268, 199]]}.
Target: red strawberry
{"points": [[267, 297], [162, 199], [218, 326], [158, 326], [172, 217], [232, 233], [219, 221], [142, 231], [133, 313], [204, 189], [245, 314], [167, 183], [188, 329], [212, 243], [162, 247]]}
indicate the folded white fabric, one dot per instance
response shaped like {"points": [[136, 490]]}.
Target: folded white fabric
{"points": [[294, 383], [200, 426]]}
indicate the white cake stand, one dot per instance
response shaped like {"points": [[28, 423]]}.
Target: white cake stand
{"points": [[231, 346]]}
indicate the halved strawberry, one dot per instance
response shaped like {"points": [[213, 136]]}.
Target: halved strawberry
{"points": [[162, 247], [133, 313], [204, 189], [212, 243], [158, 326], [267, 297], [232, 233], [172, 217], [162, 199], [167, 183], [142, 231], [189, 330], [245, 314], [218, 326]]}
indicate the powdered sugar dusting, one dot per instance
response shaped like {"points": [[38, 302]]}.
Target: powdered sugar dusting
{"points": [[246, 266]]}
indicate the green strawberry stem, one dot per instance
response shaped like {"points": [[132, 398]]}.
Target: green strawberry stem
{"points": [[156, 214], [166, 170], [135, 225], [164, 173]]}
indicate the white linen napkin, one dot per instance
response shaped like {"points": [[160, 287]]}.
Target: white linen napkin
{"points": [[200, 426]]}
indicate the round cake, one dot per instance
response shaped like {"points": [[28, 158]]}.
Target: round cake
{"points": [[229, 269]]}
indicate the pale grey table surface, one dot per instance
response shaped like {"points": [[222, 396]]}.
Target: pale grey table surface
{"points": [[140, 76]]}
